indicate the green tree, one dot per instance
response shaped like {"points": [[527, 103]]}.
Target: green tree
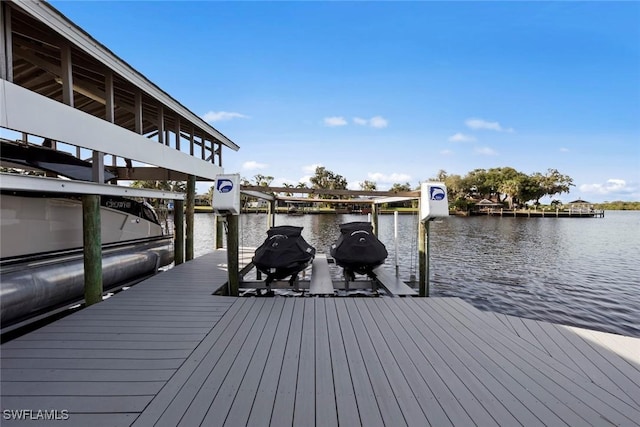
{"points": [[263, 180], [324, 179], [511, 188], [367, 185], [400, 188]]}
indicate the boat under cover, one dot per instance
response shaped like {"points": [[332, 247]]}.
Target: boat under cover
{"points": [[41, 249], [358, 250], [284, 253]]}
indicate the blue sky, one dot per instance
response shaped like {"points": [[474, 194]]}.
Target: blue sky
{"points": [[395, 91]]}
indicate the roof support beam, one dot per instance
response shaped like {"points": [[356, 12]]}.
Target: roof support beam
{"points": [[6, 43]]}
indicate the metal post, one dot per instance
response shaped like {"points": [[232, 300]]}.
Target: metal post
{"points": [[178, 226], [233, 264], [92, 241], [374, 218], [395, 237], [191, 201]]}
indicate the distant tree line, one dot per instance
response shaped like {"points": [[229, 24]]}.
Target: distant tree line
{"points": [[503, 185]]}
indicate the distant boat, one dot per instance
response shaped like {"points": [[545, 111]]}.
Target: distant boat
{"points": [[358, 250]]}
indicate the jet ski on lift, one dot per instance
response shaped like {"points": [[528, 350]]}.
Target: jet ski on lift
{"points": [[283, 254], [358, 250]]}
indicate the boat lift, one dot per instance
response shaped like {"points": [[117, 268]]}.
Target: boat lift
{"points": [[433, 204]]}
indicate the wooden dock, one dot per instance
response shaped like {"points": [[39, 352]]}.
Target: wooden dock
{"points": [[167, 352]]}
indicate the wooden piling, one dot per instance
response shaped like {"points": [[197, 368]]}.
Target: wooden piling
{"points": [[233, 263], [92, 241], [219, 231], [178, 226], [190, 209], [423, 258]]}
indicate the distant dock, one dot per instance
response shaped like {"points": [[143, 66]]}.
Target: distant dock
{"points": [[540, 213], [169, 352]]}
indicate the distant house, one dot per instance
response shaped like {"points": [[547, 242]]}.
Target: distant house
{"points": [[580, 206], [486, 205]]}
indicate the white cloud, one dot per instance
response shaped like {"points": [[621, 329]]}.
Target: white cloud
{"points": [[486, 151], [393, 178], [377, 122], [564, 150], [334, 121], [221, 116], [311, 169], [446, 152], [253, 165], [612, 186], [480, 124], [460, 137]]}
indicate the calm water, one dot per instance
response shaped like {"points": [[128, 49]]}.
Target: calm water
{"points": [[582, 272]]}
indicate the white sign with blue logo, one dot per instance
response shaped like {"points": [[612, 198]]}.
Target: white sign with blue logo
{"points": [[226, 194], [434, 202]]}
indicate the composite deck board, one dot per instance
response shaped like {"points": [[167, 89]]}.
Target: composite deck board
{"points": [[168, 352], [457, 377], [249, 330], [346, 405], [411, 366], [565, 346], [567, 394], [368, 408], [264, 396], [249, 386], [325, 397], [285, 393]]}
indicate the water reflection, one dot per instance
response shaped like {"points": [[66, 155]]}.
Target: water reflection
{"points": [[581, 272]]}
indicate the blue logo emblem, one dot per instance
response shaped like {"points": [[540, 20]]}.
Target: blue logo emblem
{"points": [[436, 193], [224, 185]]}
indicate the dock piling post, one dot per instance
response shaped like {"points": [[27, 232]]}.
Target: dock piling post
{"points": [[374, 218], [395, 238], [190, 208], [219, 231], [92, 241], [423, 258], [233, 263], [178, 226]]}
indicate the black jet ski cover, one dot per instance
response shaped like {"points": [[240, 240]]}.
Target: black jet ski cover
{"points": [[284, 250], [357, 248]]}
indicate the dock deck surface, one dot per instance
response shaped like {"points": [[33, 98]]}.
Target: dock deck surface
{"points": [[166, 352]]}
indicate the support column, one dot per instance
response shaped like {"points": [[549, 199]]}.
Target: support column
{"points": [[271, 214], [191, 202], [233, 264], [219, 231], [423, 258], [178, 226], [92, 242], [374, 218]]}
